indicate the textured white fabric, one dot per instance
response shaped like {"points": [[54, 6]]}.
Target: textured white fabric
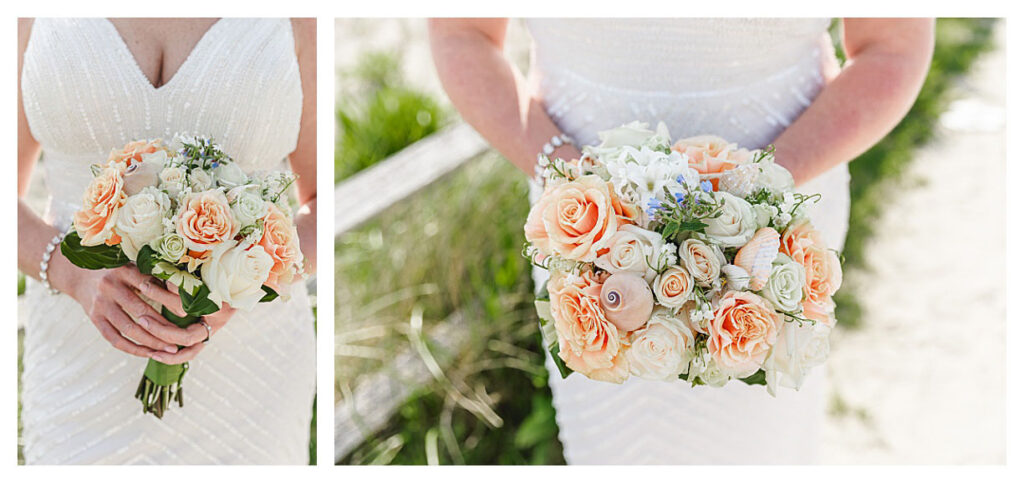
{"points": [[744, 80], [249, 394]]}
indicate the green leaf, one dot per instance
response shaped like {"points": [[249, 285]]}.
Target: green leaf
{"points": [[146, 259], [198, 304], [755, 379], [562, 368], [692, 226], [270, 294], [92, 258]]}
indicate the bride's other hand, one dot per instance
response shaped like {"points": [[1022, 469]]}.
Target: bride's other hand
{"points": [[111, 299], [888, 60], [190, 338]]}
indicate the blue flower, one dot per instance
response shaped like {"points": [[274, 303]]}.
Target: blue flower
{"points": [[706, 186], [679, 197], [680, 179]]}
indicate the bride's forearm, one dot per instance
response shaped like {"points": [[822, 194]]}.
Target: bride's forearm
{"points": [[489, 91], [888, 63], [33, 236], [305, 224]]}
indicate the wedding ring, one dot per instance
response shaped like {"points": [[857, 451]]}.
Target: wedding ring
{"points": [[209, 331]]}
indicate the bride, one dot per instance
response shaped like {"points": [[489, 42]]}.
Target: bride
{"points": [[752, 81], [87, 86]]}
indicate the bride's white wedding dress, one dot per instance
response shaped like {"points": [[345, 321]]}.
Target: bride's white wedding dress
{"points": [[744, 80], [249, 394]]}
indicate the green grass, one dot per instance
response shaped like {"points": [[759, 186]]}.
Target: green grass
{"points": [[455, 247], [458, 246], [378, 115]]}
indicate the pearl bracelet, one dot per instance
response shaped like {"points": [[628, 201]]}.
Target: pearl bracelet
{"points": [[45, 264], [549, 148]]}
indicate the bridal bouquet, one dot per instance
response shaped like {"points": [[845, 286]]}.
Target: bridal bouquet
{"points": [[693, 261], [190, 216]]}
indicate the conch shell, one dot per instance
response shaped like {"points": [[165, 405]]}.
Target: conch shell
{"points": [[757, 255], [627, 301]]}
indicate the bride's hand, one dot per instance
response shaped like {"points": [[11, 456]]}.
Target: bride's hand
{"points": [[111, 300], [191, 337]]}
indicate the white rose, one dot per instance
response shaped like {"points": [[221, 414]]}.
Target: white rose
{"points": [[708, 371], [170, 247], [736, 223], [172, 180], [661, 350], [235, 274], [200, 180], [633, 249], [140, 220], [635, 133], [763, 213], [776, 178], [229, 175], [798, 349], [785, 285], [703, 261], [247, 207], [144, 173], [673, 287]]}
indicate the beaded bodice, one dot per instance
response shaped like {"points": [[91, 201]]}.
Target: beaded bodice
{"points": [[84, 94]]}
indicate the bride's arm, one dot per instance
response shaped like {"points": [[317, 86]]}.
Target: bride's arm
{"points": [[489, 91], [887, 63], [107, 296], [303, 159]]}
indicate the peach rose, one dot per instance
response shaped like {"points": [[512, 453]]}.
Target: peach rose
{"points": [[712, 155], [673, 287], [627, 301], [133, 151], [824, 274], [281, 241], [823, 313], [742, 332], [103, 198], [587, 341], [205, 220], [574, 220]]}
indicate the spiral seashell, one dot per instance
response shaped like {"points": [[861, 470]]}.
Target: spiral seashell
{"points": [[757, 255], [741, 180], [627, 301]]}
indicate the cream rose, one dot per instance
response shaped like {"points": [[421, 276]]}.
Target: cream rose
{"points": [[573, 220], [742, 332], [281, 241], [736, 223], [673, 287], [102, 199], [205, 221], [141, 220], [170, 247], [172, 180], [633, 249], [800, 348], [704, 262], [235, 274], [587, 341], [662, 350], [200, 180]]}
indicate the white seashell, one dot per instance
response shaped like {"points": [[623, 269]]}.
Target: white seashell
{"points": [[757, 255], [741, 180]]}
